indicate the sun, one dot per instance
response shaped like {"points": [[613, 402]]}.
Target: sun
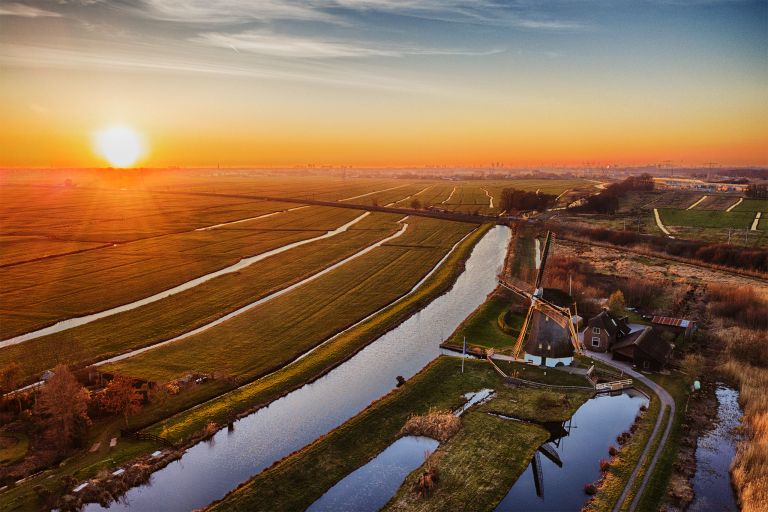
{"points": [[121, 146]]}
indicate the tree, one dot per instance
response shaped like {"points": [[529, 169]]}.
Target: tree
{"points": [[415, 204], [122, 397], [63, 406], [616, 302], [10, 380]]}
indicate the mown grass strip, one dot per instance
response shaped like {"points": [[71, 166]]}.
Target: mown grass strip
{"points": [[184, 426]]}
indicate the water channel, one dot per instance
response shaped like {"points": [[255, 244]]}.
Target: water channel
{"points": [[714, 453], [208, 470], [548, 486]]}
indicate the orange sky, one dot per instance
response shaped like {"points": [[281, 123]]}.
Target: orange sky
{"points": [[353, 87]]}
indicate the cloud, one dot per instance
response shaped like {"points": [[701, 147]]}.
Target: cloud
{"points": [[285, 46], [26, 11], [482, 12], [232, 11]]}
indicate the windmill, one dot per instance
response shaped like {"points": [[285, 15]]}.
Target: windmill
{"points": [[552, 337]]}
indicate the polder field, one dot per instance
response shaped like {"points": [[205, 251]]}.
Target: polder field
{"points": [[162, 276]]}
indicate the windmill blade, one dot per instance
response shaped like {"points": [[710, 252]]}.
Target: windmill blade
{"points": [[544, 253], [515, 289]]}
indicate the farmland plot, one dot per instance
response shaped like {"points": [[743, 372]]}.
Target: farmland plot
{"points": [[267, 337], [716, 202], [47, 291], [706, 218], [196, 307], [681, 199], [753, 205]]}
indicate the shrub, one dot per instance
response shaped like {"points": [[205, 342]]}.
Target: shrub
{"points": [[605, 465], [437, 424], [613, 451], [590, 489]]}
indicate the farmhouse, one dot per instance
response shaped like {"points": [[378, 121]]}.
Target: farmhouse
{"points": [[604, 330], [644, 348]]}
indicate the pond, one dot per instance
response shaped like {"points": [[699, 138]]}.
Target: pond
{"points": [[548, 486], [714, 453], [370, 487], [208, 470]]}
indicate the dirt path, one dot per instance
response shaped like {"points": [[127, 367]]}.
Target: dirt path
{"points": [[756, 221], [666, 401], [660, 224], [734, 205], [694, 205]]}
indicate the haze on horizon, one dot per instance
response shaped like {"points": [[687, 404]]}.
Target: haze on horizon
{"points": [[376, 83]]}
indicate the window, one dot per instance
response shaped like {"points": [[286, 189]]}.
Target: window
{"points": [[595, 330], [595, 341]]}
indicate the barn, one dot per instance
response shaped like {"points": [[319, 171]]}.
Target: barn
{"points": [[645, 349]]}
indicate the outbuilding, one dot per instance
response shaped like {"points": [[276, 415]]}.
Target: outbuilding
{"points": [[645, 349]]}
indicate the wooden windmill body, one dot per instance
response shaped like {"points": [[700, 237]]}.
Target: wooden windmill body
{"points": [[548, 334]]}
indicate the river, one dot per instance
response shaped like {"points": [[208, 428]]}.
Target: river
{"points": [[208, 470]]}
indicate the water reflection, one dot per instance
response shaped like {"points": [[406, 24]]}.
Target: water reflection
{"points": [[208, 470], [554, 481]]}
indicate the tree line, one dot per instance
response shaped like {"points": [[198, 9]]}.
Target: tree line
{"points": [[607, 201], [523, 200]]}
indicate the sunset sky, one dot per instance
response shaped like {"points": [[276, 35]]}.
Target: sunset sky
{"points": [[376, 83]]}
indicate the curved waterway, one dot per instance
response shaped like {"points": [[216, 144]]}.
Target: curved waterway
{"points": [[545, 485], [714, 454], [63, 325], [208, 470]]}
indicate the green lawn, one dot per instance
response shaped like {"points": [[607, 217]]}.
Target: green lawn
{"points": [[706, 218], [475, 469], [482, 327], [300, 479], [753, 205]]}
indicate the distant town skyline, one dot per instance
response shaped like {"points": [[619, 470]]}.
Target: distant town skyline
{"points": [[373, 83]]}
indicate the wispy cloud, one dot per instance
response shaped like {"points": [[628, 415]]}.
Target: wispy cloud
{"points": [[286, 46], [26, 11], [482, 12]]}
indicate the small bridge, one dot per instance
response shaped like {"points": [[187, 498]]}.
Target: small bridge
{"points": [[616, 385]]}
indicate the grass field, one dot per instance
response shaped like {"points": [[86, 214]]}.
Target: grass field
{"points": [[706, 218], [753, 205], [482, 328], [300, 479], [44, 292], [291, 324], [193, 308]]}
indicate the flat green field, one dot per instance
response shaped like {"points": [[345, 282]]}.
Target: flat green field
{"points": [[46, 291], [193, 308], [753, 205], [269, 335], [706, 218]]}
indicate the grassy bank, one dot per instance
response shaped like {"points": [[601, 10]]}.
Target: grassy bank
{"points": [[483, 329], [300, 479]]}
